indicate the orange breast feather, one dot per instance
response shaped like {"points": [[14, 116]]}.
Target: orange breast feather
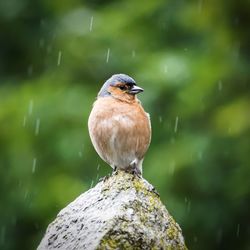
{"points": [[119, 131]]}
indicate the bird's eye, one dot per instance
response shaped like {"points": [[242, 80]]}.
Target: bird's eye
{"points": [[122, 87]]}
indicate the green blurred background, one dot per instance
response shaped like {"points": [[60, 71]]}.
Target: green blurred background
{"points": [[192, 59]]}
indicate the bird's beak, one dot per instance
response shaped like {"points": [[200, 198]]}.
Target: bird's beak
{"points": [[135, 90]]}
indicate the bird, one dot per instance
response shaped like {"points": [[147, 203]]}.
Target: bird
{"points": [[119, 128]]}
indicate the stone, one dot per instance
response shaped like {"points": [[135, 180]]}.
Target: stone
{"points": [[121, 212]]}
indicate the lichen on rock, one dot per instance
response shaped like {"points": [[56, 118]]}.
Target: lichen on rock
{"points": [[121, 212]]}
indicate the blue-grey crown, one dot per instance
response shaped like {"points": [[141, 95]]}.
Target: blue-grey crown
{"points": [[112, 80]]}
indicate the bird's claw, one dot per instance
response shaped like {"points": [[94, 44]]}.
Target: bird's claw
{"points": [[115, 171]]}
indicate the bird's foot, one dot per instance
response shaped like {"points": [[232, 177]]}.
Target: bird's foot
{"points": [[136, 173], [115, 171], [134, 170]]}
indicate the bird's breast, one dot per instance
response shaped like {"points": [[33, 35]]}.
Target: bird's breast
{"points": [[119, 131]]}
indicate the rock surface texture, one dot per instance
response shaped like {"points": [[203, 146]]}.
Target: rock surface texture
{"points": [[121, 212]]}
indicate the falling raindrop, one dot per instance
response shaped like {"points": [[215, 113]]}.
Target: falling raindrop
{"points": [[172, 168], [24, 121], [34, 166], [91, 23], [165, 69], [30, 70], [30, 107], [107, 57], [220, 85], [37, 129], [98, 167], [97, 177], [42, 22], [176, 124], [200, 6], [188, 206], [59, 58], [200, 155], [80, 154], [3, 229], [195, 239], [92, 183], [41, 43], [160, 119], [26, 194], [172, 140], [133, 53], [238, 231]]}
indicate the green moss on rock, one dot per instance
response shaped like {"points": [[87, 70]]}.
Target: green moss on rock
{"points": [[145, 222]]}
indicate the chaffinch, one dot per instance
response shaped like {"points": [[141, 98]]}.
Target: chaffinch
{"points": [[119, 128]]}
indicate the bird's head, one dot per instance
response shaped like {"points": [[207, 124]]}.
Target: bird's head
{"points": [[120, 86]]}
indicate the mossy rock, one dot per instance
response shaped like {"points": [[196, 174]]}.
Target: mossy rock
{"points": [[121, 212]]}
